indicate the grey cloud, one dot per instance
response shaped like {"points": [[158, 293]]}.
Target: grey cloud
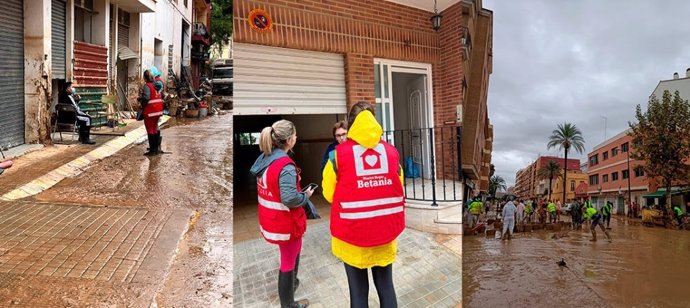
{"points": [[575, 61]]}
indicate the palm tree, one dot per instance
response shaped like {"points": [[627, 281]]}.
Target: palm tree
{"points": [[496, 183], [549, 171], [566, 136]]}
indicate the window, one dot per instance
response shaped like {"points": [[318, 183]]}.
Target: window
{"points": [[639, 171], [605, 156], [594, 179], [249, 138], [614, 176], [624, 147], [605, 178], [614, 152], [83, 15], [572, 185], [594, 160], [626, 174]]}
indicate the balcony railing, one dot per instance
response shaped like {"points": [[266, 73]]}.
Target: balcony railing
{"points": [[430, 158]]}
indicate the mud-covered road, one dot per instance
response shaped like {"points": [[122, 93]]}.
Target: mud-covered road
{"points": [[642, 267], [196, 175]]}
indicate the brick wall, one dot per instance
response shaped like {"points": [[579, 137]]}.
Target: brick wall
{"points": [[361, 30]]}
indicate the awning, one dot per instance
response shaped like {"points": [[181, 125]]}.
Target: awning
{"points": [[662, 192], [124, 53]]}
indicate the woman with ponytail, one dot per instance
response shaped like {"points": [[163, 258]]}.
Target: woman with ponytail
{"points": [[282, 218]]}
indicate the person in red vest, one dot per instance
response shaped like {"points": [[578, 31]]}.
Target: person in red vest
{"points": [[282, 218], [152, 105], [363, 181]]}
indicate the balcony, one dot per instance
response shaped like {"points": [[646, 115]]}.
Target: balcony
{"points": [[201, 34]]}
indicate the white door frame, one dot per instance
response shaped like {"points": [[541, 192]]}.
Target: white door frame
{"points": [[411, 68]]}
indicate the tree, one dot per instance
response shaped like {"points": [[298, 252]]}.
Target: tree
{"points": [[492, 170], [566, 136], [549, 171], [661, 138], [221, 23], [496, 183]]}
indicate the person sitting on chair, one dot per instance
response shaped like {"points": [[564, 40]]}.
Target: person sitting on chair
{"points": [[83, 119]]}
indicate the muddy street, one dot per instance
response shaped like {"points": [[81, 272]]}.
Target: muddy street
{"points": [[642, 267], [184, 198]]}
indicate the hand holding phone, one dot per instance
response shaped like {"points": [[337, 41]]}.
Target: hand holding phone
{"points": [[311, 186]]}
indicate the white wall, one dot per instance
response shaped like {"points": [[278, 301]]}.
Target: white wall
{"points": [[682, 85], [166, 25]]}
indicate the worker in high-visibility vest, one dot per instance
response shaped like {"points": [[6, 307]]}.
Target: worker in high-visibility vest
{"points": [[551, 209], [606, 213], [595, 217], [476, 208]]}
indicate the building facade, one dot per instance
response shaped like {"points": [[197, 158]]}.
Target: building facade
{"points": [[529, 185], [99, 45], [310, 63], [613, 176]]}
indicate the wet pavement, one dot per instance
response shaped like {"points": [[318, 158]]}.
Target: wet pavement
{"points": [[642, 267], [426, 271], [190, 260]]}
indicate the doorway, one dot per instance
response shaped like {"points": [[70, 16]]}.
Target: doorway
{"points": [[404, 108]]}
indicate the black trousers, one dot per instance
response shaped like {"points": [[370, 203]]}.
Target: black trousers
{"points": [[607, 219], [358, 282]]}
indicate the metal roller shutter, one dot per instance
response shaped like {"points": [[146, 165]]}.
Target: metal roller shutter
{"points": [[270, 80], [122, 35], [12, 74], [58, 38]]}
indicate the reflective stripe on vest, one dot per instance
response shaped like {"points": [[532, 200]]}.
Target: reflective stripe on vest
{"points": [[273, 205], [370, 214], [367, 203], [274, 236]]}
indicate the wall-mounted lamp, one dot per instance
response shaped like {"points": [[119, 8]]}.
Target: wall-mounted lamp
{"points": [[436, 19]]}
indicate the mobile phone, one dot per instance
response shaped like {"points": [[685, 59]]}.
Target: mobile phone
{"points": [[311, 185]]}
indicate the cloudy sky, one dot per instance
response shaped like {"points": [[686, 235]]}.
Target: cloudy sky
{"points": [[578, 62]]}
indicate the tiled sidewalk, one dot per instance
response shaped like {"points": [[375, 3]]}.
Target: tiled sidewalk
{"points": [[109, 244], [425, 273]]}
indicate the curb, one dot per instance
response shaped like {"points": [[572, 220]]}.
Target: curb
{"points": [[78, 165]]}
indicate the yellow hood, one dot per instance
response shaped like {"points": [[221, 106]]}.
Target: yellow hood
{"points": [[365, 130]]}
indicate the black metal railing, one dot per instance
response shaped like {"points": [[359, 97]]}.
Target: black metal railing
{"points": [[431, 161]]}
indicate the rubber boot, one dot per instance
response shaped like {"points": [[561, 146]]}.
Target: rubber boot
{"points": [[286, 291], [153, 146], [84, 135], [594, 236], [160, 141], [296, 284]]}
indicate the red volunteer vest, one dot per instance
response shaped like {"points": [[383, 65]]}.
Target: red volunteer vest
{"points": [[278, 223], [368, 203], [154, 108]]}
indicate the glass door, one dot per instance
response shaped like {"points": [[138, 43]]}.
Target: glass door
{"points": [[384, 102]]}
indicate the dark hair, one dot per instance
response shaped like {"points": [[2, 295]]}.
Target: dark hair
{"points": [[356, 109], [148, 76]]}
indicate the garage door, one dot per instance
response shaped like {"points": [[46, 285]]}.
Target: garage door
{"points": [[12, 74], [271, 80], [58, 38]]}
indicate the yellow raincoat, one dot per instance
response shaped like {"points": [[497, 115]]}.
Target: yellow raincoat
{"points": [[366, 132]]}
